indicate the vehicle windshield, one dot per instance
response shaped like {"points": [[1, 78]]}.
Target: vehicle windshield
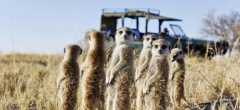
{"points": [[177, 30]]}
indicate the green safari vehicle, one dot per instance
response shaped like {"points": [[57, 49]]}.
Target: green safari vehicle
{"points": [[111, 19]]}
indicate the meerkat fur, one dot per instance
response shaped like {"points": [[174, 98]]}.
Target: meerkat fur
{"points": [[177, 79], [120, 72], [155, 83], [93, 75], [142, 69], [67, 82]]}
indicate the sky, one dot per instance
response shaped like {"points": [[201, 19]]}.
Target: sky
{"points": [[47, 26]]}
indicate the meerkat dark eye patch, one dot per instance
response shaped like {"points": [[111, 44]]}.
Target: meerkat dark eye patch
{"points": [[180, 52], [120, 32], [129, 32], [164, 46], [64, 50], [174, 58], [155, 46], [147, 39]]}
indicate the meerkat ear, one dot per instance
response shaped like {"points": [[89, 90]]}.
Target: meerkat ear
{"points": [[89, 38], [80, 52], [133, 34], [64, 50], [143, 37]]}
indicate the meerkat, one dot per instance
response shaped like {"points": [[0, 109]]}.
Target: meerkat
{"points": [[119, 74], [67, 82], [141, 71], [92, 73], [155, 83], [177, 78]]}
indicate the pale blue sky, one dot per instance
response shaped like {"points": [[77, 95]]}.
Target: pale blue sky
{"points": [[47, 26]]}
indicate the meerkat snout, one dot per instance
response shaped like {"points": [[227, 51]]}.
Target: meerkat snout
{"points": [[160, 51], [152, 41], [125, 36]]}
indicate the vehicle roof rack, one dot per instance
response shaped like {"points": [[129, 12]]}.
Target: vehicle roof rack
{"points": [[130, 10]]}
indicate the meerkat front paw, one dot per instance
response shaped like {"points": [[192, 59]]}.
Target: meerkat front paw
{"points": [[107, 80], [81, 73], [136, 78], [110, 80], [107, 77], [145, 89]]}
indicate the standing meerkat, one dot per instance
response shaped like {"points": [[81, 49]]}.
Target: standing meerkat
{"points": [[92, 73], [155, 83], [119, 74], [141, 71], [177, 79], [67, 82]]}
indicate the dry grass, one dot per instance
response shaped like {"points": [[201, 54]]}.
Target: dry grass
{"points": [[29, 81]]}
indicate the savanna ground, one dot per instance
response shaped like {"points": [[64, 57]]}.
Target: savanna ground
{"points": [[29, 81]]}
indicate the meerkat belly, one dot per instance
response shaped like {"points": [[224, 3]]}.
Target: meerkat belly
{"points": [[124, 76]]}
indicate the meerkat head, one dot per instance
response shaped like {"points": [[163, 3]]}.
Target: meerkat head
{"points": [[72, 51], [124, 35], [86, 37], [161, 47], [148, 40], [96, 38], [176, 54]]}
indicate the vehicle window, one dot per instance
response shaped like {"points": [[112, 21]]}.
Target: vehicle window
{"points": [[153, 26], [132, 23], [177, 30], [128, 22], [142, 22]]}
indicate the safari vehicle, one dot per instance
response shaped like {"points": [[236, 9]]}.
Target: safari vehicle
{"points": [[111, 19]]}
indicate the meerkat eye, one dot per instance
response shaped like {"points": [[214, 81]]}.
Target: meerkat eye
{"points": [[120, 32], [180, 52], [129, 32], [155, 46], [147, 39], [164, 46]]}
